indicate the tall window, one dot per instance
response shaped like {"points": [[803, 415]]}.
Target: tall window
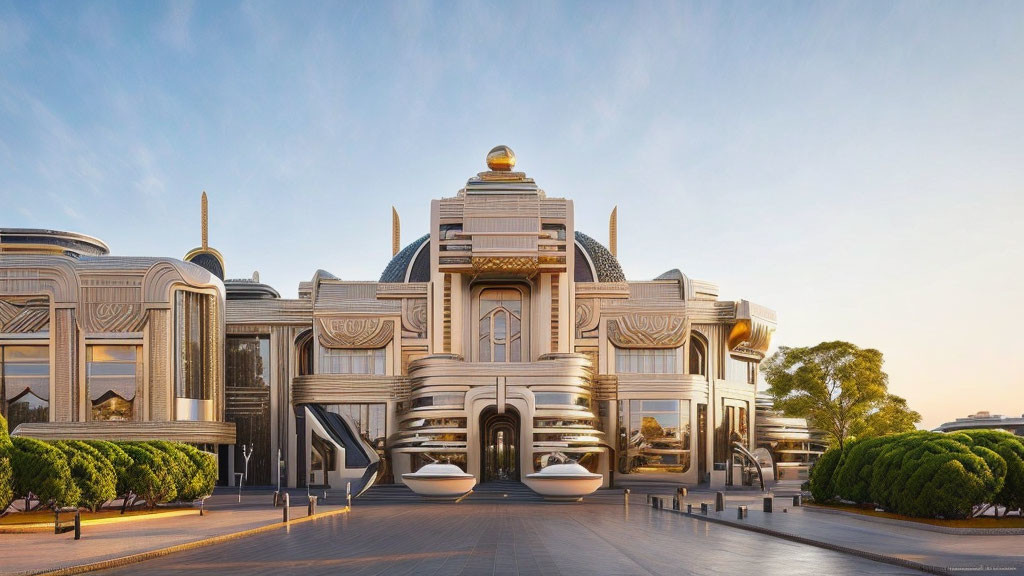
{"points": [[654, 436], [343, 361], [192, 333], [698, 355], [501, 316], [111, 376], [645, 360], [25, 384]]}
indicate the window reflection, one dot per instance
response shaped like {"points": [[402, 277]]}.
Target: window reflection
{"points": [[645, 360], [112, 378], [25, 384], [654, 436], [343, 361]]}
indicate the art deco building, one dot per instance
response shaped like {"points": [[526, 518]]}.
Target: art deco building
{"points": [[793, 445], [501, 338], [985, 420]]}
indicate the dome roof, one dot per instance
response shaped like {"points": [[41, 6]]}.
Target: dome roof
{"points": [[603, 266], [398, 269], [501, 159], [38, 241], [248, 289]]}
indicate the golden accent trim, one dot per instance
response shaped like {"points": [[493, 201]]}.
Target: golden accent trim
{"points": [[648, 331], [513, 264], [205, 222], [350, 332], [396, 232], [613, 232]]}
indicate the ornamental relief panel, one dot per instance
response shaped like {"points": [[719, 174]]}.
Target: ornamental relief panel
{"points": [[510, 264], [648, 330], [24, 315], [111, 306], [414, 317], [348, 332], [588, 315]]}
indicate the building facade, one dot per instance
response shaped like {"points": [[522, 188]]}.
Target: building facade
{"points": [[499, 341], [985, 420]]}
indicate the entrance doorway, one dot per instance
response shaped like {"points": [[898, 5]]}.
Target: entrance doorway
{"points": [[499, 443]]}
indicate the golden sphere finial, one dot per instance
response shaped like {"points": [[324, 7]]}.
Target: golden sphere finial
{"points": [[501, 159]]}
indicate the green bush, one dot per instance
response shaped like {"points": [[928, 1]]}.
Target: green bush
{"points": [[852, 478], [119, 459], [152, 473], [822, 473], [1011, 449], [92, 473], [204, 472], [188, 483], [6, 474], [43, 470]]}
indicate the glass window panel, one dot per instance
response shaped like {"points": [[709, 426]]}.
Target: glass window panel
{"points": [[499, 352], [657, 439], [645, 360], [343, 361], [112, 373], [499, 326]]}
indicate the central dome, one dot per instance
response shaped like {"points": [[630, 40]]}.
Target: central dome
{"points": [[501, 159]]}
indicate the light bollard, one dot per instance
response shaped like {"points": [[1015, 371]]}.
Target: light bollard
{"points": [[348, 494], [769, 503], [78, 525], [312, 506], [287, 504], [719, 501], [689, 508], [704, 508], [798, 500], [625, 496], [741, 512]]}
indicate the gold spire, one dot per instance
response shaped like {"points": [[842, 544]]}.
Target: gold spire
{"points": [[396, 232], [501, 159], [206, 223], [613, 224]]}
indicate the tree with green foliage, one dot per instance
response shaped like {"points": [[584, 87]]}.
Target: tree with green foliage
{"points": [[42, 470], [92, 473], [836, 386], [204, 472], [191, 470], [891, 415], [152, 473]]}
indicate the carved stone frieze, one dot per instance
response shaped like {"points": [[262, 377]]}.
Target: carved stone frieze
{"points": [[352, 332], [414, 317], [588, 315], [24, 315], [648, 330], [111, 305]]}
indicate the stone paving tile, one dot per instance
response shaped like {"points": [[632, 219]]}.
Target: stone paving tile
{"points": [[510, 538]]}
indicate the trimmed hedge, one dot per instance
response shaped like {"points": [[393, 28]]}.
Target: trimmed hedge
{"points": [[91, 472], [925, 474], [43, 470]]}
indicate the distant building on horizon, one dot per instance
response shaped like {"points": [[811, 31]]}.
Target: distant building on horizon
{"points": [[985, 419]]}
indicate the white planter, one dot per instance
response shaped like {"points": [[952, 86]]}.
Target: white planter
{"points": [[564, 482], [440, 481]]}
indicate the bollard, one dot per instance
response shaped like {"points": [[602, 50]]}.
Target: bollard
{"points": [[202, 505], [768, 502], [719, 501], [287, 503], [704, 508], [277, 499], [675, 503], [625, 496], [348, 494], [741, 512], [78, 525], [689, 508], [648, 498], [312, 506], [681, 491], [798, 500]]}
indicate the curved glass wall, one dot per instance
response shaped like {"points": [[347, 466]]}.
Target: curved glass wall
{"points": [[654, 436]]}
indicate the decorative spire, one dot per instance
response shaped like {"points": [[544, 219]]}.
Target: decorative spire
{"points": [[613, 225], [206, 223], [396, 232]]}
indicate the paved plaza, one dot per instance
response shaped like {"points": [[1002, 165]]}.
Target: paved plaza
{"points": [[493, 537]]}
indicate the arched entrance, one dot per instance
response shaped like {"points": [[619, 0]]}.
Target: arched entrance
{"points": [[499, 445]]}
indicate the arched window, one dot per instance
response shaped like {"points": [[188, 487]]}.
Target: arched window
{"points": [[698, 355], [501, 318]]}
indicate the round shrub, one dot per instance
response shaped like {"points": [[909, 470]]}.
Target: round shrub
{"points": [[187, 481], [821, 480], [151, 474], [852, 478], [43, 470], [92, 473], [5, 437], [120, 461], [1011, 449], [6, 490], [204, 472]]}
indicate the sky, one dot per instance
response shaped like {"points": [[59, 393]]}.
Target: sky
{"points": [[858, 167]]}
